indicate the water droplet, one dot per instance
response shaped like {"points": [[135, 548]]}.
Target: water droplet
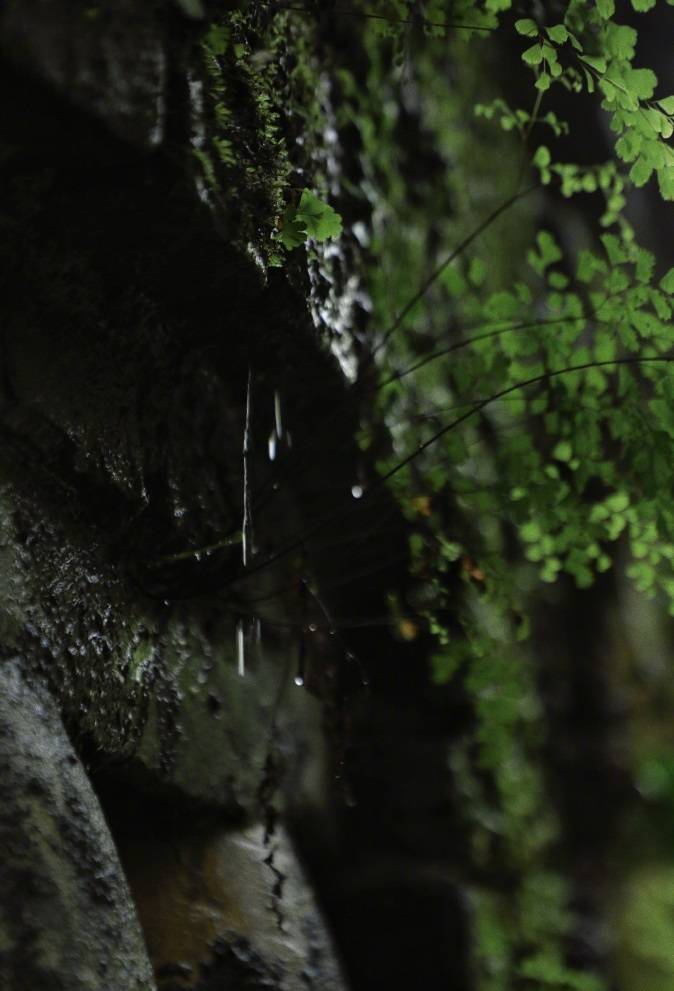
{"points": [[289, 440], [277, 414], [271, 446], [357, 491], [240, 648], [312, 627], [299, 680], [246, 526]]}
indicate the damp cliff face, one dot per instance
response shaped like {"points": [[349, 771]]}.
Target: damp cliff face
{"points": [[155, 532]]}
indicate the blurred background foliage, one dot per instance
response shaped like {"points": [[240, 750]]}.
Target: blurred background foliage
{"points": [[541, 531]]}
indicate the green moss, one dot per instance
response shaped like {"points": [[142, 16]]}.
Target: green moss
{"points": [[258, 134]]}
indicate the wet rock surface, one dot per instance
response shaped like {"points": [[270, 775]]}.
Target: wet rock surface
{"points": [[225, 908], [66, 916], [136, 310]]}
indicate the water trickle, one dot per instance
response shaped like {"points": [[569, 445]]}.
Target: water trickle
{"points": [[277, 414], [271, 445], [240, 648], [246, 529]]}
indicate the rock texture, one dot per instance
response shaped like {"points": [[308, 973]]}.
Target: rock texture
{"points": [[142, 338], [67, 922]]}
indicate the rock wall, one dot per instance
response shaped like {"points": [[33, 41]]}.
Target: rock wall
{"points": [[143, 338]]}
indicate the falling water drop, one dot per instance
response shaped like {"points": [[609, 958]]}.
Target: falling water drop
{"points": [[247, 444], [299, 680], [240, 648], [277, 414], [357, 491], [271, 445]]}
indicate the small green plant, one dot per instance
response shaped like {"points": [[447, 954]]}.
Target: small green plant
{"points": [[310, 218]]}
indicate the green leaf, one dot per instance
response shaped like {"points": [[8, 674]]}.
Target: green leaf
{"points": [[614, 249], [557, 33], [606, 8], [563, 451], [618, 502], [620, 41], [542, 157], [667, 105], [595, 62], [666, 183], [533, 55], [667, 282], [311, 218], [525, 26], [531, 531], [293, 230], [320, 220], [641, 82], [641, 172]]}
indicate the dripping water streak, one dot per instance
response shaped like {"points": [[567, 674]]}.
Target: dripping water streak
{"points": [[247, 443], [240, 648], [277, 414]]}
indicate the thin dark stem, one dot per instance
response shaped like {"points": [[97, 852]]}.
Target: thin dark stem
{"points": [[447, 260], [507, 391], [371, 16], [497, 332], [466, 342]]}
